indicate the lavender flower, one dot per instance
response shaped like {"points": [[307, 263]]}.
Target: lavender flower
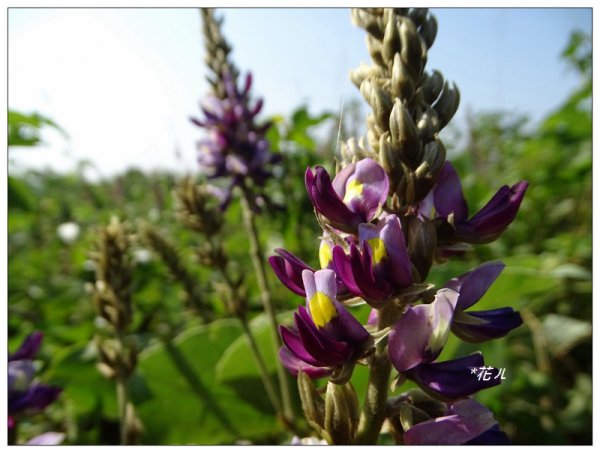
{"points": [[479, 326], [326, 338], [355, 196]]}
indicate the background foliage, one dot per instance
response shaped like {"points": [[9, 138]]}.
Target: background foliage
{"points": [[196, 383]]}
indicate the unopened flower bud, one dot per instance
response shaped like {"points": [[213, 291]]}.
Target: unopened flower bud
{"points": [[412, 53], [375, 50], [422, 241], [379, 100], [401, 84], [432, 86], [428, 31], [391, 38], [447, 104], [341, 413], [312, 403], [404, 134], [418, 15], [428, 125]]}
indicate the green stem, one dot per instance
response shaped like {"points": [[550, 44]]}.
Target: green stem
{"points": [[259, 267], [264, 373], [122, 404], [373, 413]]}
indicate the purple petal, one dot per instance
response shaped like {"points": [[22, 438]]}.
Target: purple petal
{"points": [[318, 344], [373, 317], [49, 438], [346, 327], [375, 291], [493, 436], [326, 201], [375, 185], [421, 332], [480, 326], [344, 270], [20, 375], [29, 347], [453, 379], [288, 269], [448, 196], [473, 285], [467, 420], [293, 364], [293, 342], [37, 396], [341, 178], [495, 216]]}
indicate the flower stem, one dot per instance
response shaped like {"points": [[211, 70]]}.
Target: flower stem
{"points": [[264, 373], [259, 267], [122, 404], [373, 413]]}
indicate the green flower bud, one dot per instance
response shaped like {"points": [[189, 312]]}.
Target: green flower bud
{"points": [[341, 413], [404, 134], [312, 403], [432, 86], [429, 31], [413, 52], [391, 38], [401, 84], [447, 104]]}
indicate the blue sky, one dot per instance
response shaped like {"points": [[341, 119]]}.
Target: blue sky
{"points": [[123, 82]]}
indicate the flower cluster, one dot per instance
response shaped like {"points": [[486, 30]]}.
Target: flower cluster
{"points": [[235, 145], [367, 253]]}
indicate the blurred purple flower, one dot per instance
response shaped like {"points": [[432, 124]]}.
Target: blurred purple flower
{"points": [[355, 196], [466, 421], [23, 393], [447, 201], [236, 146], [326, 336], [479, 326], [381, 267]]}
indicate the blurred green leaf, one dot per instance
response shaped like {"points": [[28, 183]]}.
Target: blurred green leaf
{"points": [[563, 333], [189, 405]]}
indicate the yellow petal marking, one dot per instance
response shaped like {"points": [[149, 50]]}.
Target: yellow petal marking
{"points": [[378, 249], [353, 190], [322, 309], [325, 255]]}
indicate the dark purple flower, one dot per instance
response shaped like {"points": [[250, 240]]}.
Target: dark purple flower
{"points": [[465, 421], [355, 196], [23, 393], [326, 336], [479, 326], [381, 267], [447, 202]]}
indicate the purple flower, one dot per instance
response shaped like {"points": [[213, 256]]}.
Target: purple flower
{"points": [[447, 200], [326, 336], [235, 145], [465, 422], [23, 393], [355, 196], [479, 326], [417, 339], [381, 267]]}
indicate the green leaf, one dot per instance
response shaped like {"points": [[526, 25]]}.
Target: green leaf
{"points": [[564, 333], [189, 405]]}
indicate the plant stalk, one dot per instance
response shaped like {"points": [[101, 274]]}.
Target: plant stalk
{"points": [[374, 410], [261, 277]]}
